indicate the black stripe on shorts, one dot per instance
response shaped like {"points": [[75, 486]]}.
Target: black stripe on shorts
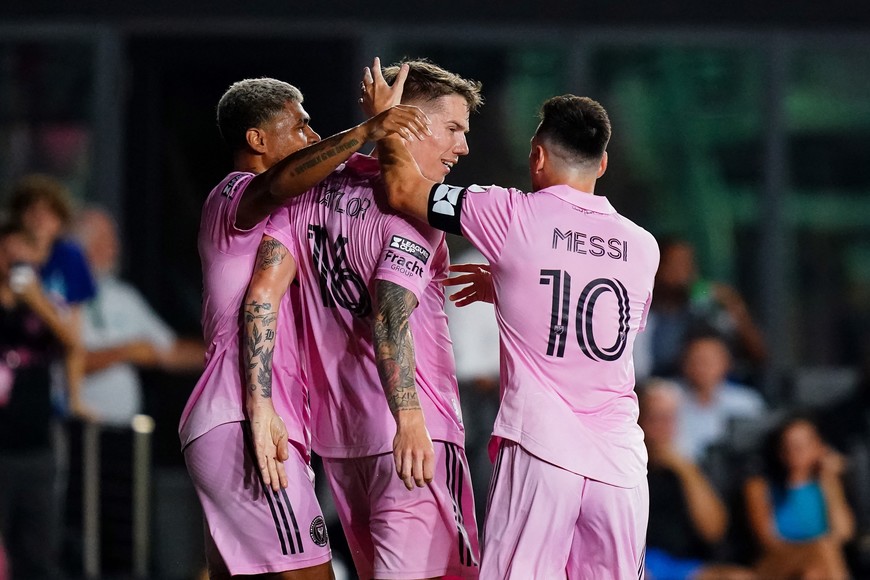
{"points": [[455, 478], [276, 505]]}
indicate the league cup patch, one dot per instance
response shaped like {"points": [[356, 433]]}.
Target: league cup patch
{"points": [[412, 248], [318, 531]]}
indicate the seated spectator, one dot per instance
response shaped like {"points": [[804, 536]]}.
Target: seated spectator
{"points": [[121, 331], [710, 399], [686, 516], [797, 508], [684, 304]]}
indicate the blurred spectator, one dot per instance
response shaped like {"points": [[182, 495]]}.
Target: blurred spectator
{"points": [[686, 516], [121, 331], [32, 337], [797, 508], [684, 304], [42, 206], [710, 399], [474, 332]]}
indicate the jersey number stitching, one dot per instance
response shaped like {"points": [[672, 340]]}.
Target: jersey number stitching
{"points": [[339, 284], [561, 303]]}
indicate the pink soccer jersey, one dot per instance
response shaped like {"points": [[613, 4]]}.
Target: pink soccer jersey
{"points": [[345, 239], [573, 281], [228, 255]]}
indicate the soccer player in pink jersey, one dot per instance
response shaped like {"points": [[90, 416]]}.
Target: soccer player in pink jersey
{"points": [[384, 397], [572, 282], [247, 452]]}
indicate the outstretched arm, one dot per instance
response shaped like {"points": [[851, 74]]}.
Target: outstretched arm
{"points": [[273, 273], [407, 189], [303, 169], [394, 350]]}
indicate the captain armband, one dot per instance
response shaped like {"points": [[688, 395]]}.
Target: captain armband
{"points": [[445, 207]]}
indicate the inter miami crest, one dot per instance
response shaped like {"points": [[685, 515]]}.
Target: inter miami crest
{"points": [[318, 531]]}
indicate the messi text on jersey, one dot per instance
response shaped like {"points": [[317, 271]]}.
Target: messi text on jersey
{"points": [[580, 243]]}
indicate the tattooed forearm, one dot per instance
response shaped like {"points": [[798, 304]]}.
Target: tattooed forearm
{"points": [[259, 338], [394, 346], [327, 153]]}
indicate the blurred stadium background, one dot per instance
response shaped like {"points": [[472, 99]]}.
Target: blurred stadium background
{"points": [[742, 126]]}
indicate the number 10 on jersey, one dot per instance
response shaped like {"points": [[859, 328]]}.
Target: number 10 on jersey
{"points": [[560, 280]]}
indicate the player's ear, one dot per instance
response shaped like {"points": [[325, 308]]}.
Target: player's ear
{"points": [[602, 166], [537, 158], [256, 139]]}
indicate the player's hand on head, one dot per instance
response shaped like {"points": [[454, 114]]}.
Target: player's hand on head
{"points": [[476, 280], [407, 121], [376, 95], [269, 434]]}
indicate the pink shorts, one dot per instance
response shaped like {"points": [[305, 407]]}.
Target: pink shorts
{"points": [[249, 528], [396, 534], [543, 521]]}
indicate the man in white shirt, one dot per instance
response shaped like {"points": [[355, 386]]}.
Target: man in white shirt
{"points": [[710, 401], [121, 331]]}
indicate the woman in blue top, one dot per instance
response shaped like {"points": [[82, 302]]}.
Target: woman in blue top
{"points": [[797, 509]]}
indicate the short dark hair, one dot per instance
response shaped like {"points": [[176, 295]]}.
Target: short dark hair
{"points": [[251, 103], [427, 81], [579, 125], [35, 188]]}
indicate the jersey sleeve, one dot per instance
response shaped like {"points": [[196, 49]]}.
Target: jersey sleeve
{"points": [[408, 255], [279, 228], [219, 218], [234, 191], [486, 217]]}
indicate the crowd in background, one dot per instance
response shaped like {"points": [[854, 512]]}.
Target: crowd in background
{"points": [[72, 339], [740, 486]]}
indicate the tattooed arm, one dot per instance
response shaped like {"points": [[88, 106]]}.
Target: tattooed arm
{"points": [[273, 272], [394, 350], [305, 168]]}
